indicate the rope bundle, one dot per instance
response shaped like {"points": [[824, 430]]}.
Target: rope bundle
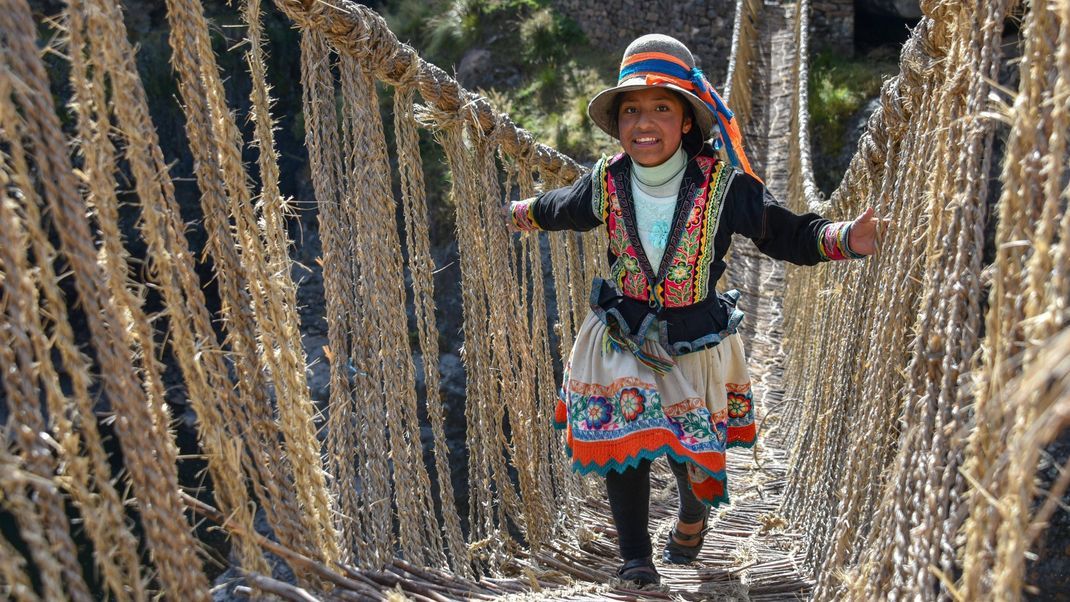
{"points": [[887, 507]]}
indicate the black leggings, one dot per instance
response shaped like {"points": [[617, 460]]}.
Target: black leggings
{"points": [[629, 500]]}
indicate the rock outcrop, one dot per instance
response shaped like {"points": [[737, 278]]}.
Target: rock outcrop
{"points": [[902, 9]]}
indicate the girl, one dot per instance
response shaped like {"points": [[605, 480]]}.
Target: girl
{"points": [[657, 368]]}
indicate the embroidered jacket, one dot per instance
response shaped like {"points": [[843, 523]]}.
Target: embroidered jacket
{"points": [[715, 201]]}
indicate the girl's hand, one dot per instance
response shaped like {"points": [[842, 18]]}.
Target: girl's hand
{"points": [[507, 215], [864, 232]]}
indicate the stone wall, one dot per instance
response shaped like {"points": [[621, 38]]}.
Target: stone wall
{"points": [[832, 25], [704, 25]]}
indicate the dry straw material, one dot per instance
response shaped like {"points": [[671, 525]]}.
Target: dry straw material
{"points": [[916, 391], [883, 505], [33, 136]]}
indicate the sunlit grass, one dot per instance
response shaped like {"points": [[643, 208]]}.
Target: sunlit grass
{"points": [[839, 86], [557, 72]]}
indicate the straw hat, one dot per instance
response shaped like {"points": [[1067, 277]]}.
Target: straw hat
{"points": [[658, 60], [653, 60]]}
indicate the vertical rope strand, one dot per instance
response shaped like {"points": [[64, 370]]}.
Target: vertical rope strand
{"points": [[26, 424], [421, 266], [216, 142], [154, 476], [347, 456]]}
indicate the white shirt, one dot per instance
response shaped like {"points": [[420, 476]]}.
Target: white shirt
{"points": [[655, 190]]}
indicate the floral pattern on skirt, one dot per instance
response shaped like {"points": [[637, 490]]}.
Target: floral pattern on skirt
{"points": [[617, 411]]}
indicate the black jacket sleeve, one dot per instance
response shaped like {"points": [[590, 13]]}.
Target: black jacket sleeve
{"points": [[568, 208], [752, 211]]}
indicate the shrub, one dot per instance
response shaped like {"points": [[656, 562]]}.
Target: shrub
{"points": [[452, 32], [839, 86], [547, 38]]}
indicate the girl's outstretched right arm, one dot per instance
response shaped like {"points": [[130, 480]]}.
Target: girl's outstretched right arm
{"points": [[567, 208]]}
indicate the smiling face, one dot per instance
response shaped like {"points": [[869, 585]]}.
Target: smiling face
{"points": [[651, 122]]}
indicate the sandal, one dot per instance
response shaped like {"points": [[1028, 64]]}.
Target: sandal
{"points": [[640, 571], [678, 553]]}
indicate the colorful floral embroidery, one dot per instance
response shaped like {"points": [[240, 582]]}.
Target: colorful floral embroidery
{"points": [[577, 405], [679, 296], [696, 216], [686, 281], [739, 405], [610, 425], [677, 428], [524, 216], [693, 252], [632, 403], [635, 286], [679, 273], [697, 426], [832, 242], [599, 412], [599, 194], [741, 428], [719, 182], [618, 236], [721, 430], [685, 406], [625, 270], [679, 286]]}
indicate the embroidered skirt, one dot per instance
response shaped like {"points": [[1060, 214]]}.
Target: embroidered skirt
{"points": [[618, 411]]}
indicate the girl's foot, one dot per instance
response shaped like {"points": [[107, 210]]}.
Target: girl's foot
{"points": [[640, 571], [685, 542], [684, 529]]}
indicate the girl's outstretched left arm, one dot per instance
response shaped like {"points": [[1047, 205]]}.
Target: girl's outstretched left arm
{"points": [[806, 239]]}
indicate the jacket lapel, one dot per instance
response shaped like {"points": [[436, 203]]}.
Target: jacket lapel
{"points": [[621, 172]]}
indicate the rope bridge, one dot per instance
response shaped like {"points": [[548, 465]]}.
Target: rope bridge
{"points": [[914, 392]]}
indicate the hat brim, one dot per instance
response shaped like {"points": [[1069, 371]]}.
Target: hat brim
{"points": [[601, 109]]}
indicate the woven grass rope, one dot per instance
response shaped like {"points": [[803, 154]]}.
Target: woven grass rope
{"points": [[140, 419], [216, 145], [921, 385]]}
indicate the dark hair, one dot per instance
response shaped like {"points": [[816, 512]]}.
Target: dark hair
{"points": [[692, 141]]}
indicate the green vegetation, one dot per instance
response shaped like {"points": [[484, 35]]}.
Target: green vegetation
{"points": [[839, 86], [539, 70], [544, 71], [553, 106]]}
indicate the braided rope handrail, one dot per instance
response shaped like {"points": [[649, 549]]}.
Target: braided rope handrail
{"points": [[744, 39], [924, 159]]}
